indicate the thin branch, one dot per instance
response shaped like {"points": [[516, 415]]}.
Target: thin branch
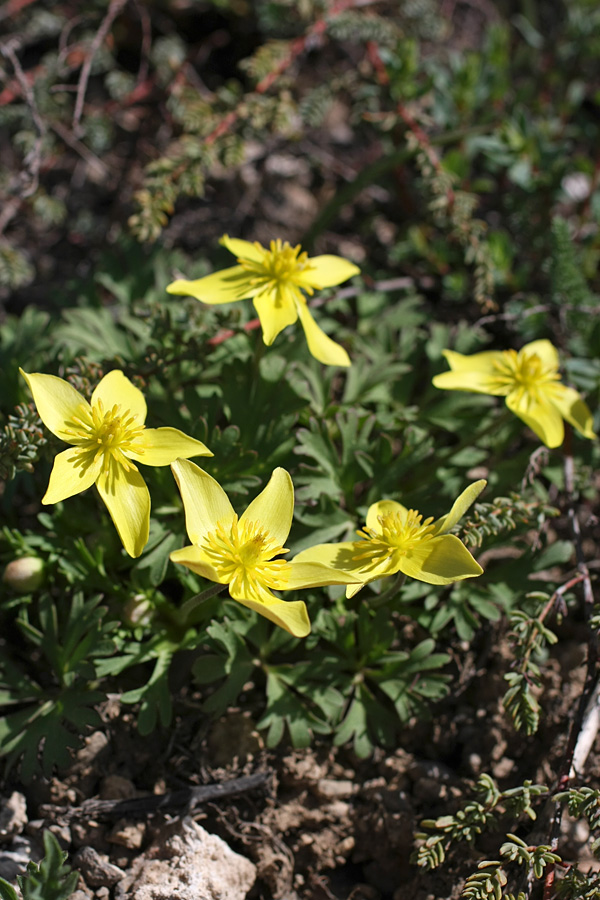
{"points": [[63, 46], [146, 46], [9, 211], [533, 311], [588, 698], [33, 159], [425, 145], [569, 469], [588, 733], [297, 47], [183, 800], [94, 161], [114, 9], [316, 30]]}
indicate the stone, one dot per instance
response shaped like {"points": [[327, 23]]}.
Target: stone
{"points": [[115, 787], [96, 870], [331, 789], [14, 862], [187, 863], [127, 834], [13, 815]]}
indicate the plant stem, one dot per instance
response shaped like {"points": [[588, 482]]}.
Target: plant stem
{"points": [[390, 593], [198, 599]]}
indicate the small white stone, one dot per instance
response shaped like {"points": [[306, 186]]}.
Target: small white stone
{"points": [[188, 863], [577, 186]]}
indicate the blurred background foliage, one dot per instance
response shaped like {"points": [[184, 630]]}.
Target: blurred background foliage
{"points": [[448, 149]]}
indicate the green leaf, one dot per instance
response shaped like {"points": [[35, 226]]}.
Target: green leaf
{"points": [[155, 696], [51, 879]]}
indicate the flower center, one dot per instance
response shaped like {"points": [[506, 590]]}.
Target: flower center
{"points": [[525, 371], [401, 531], [109, 433], [280, 265], [242, 555]]}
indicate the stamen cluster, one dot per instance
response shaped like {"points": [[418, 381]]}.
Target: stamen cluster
{"points": [[242, 555], [279, 265], [106, 433], [522, 370], [400, 532]]}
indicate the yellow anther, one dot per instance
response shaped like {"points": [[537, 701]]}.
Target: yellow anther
{"points": [[243, 552]]}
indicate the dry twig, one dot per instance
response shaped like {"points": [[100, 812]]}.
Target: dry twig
{"points": [[297, 47], [33, 159], [183, 800], [114, 9], [583, 722]]}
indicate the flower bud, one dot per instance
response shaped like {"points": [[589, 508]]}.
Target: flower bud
{"points": [[24, 575], [138, 610]]}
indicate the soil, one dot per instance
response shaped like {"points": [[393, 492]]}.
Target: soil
{"points": [[323, 825]]}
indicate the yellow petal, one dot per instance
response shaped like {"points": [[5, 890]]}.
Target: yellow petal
{"points": [[471, 373], [335, 556], [57, 402], [128, 502], [474, 362], [546, 351], [116, 389], [382, 508], [292, 616], [274, 507], [320, 345], [162, 446], [301, 575], [459, 507], [542, 417], [342, 558], [572, 408], [72, 473], [194, 559], [326, 271], [204, 500], [244, 249], [441, 560], [225, 286], [276, 310]]}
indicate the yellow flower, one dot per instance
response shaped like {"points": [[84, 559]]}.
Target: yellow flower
{"points": [[397, 539], [242, 552], [108, 436], [275, 279], [529, 380]]}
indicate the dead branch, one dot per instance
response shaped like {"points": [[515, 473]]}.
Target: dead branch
{"points": [[297, 47], [146, 27], [114, 9], [585, 717], [183, 800], [91, 159], [33, 159]]}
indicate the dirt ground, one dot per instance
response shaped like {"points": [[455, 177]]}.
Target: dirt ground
{"points": [[323, 824]]}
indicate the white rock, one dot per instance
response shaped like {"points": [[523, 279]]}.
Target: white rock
{"points": [[13, 815], [188, 863]]}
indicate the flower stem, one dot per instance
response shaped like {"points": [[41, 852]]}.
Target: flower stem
{"points": [[198, 599], [259, 350], [391, 592]]}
